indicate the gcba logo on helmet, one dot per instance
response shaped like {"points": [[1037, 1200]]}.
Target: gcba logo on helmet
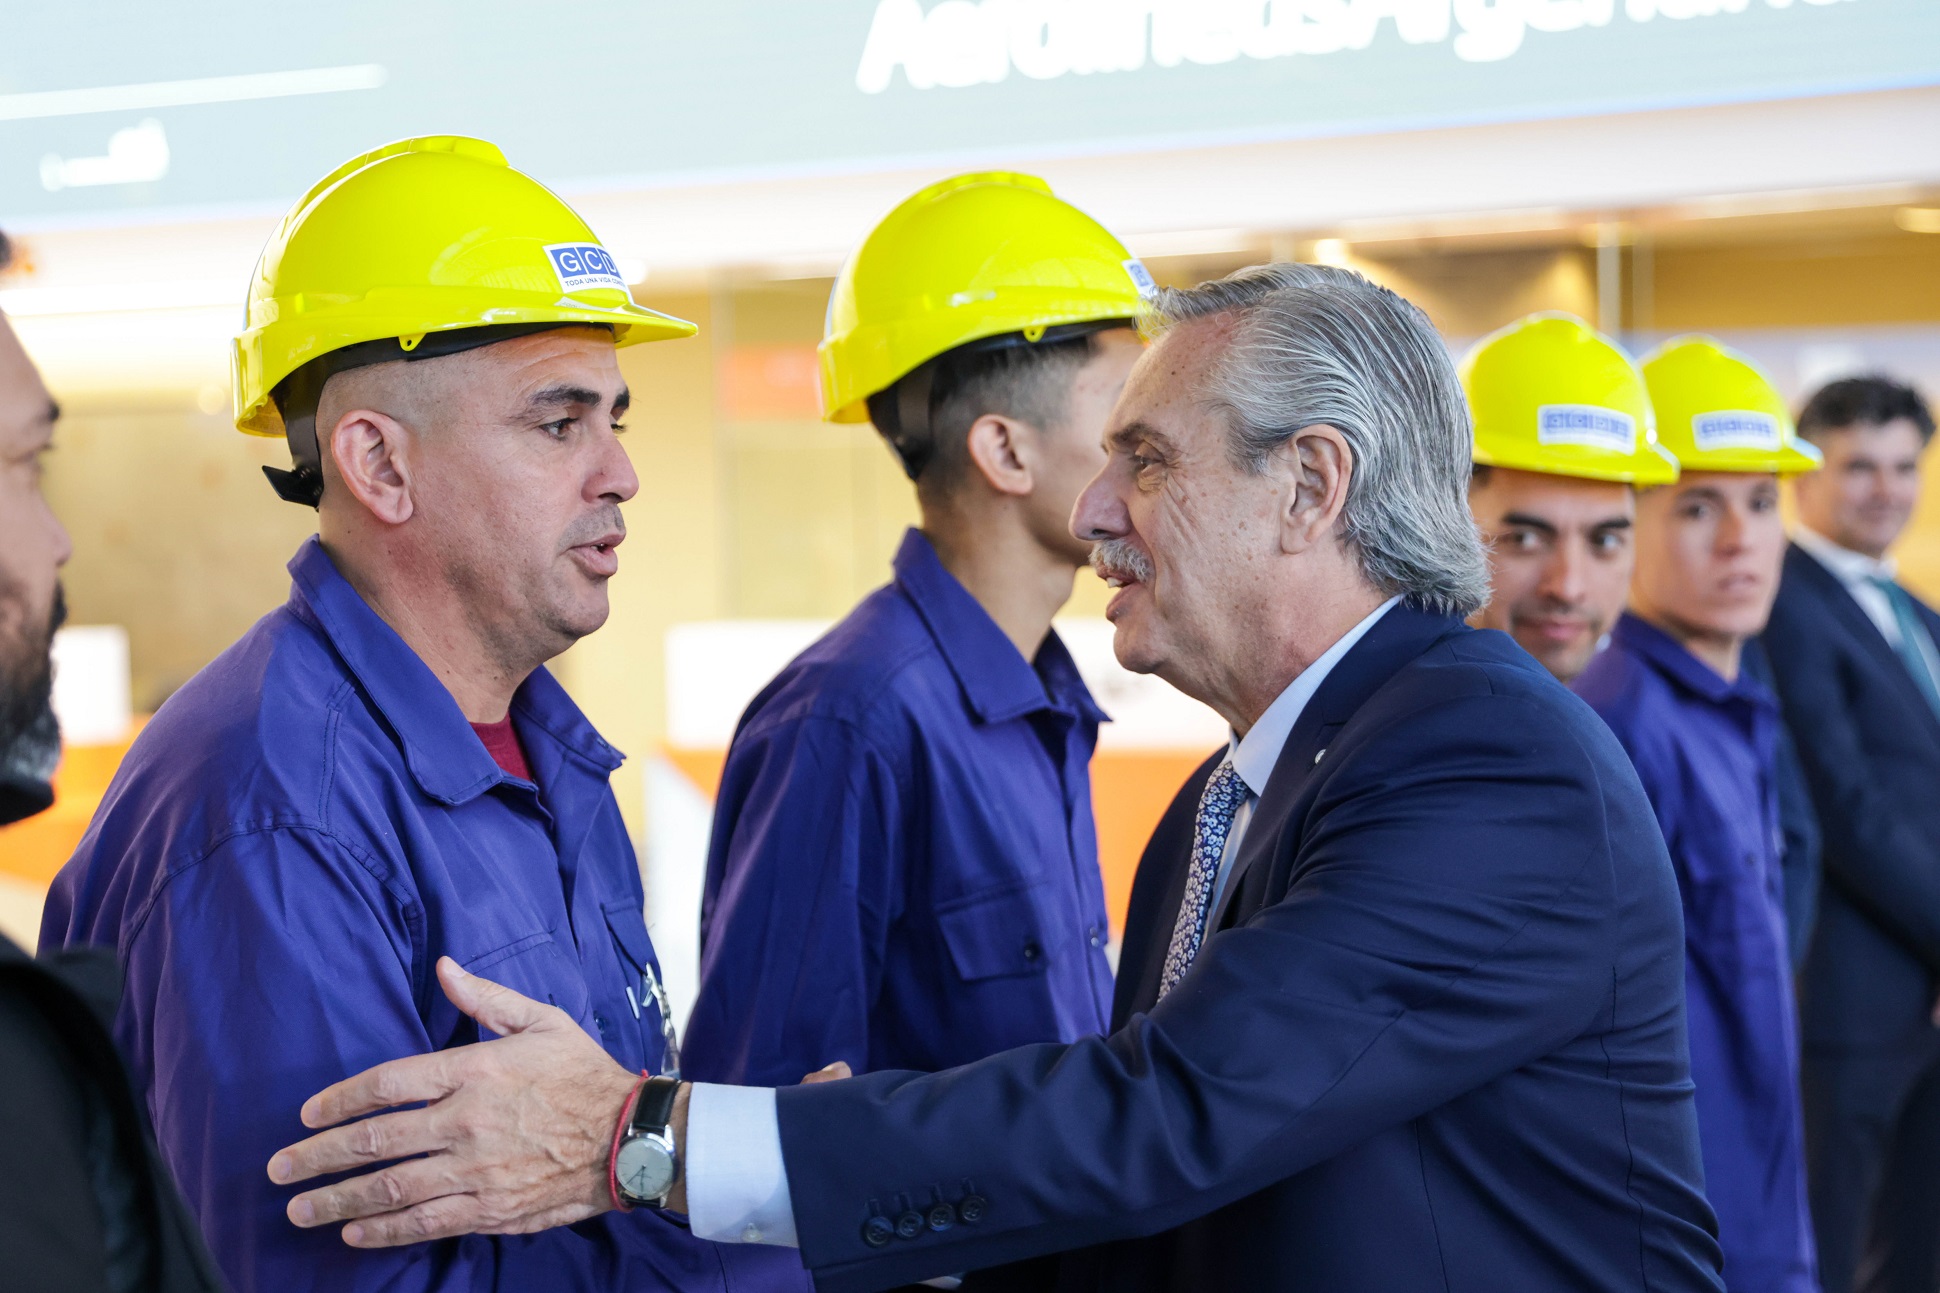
{"points": [[581, 265]]}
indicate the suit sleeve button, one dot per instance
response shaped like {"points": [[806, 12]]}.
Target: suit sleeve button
{"points": [[970, 1211], [942, 1217], [877, 1231], [909, 1224], [1032, 951]]}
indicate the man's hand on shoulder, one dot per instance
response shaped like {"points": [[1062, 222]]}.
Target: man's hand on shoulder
{"points": [[513, 1134]]}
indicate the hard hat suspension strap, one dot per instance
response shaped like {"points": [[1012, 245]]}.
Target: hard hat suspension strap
{"points": [[911, 434], [297, 396]]}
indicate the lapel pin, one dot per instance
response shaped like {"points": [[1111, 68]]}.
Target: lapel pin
{"points": [[1321, 755]]}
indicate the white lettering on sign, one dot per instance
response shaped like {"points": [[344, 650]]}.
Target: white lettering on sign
{"points": [[962, 43]]}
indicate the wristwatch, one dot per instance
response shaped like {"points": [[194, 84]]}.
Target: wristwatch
{"points": [[645, 1166]]}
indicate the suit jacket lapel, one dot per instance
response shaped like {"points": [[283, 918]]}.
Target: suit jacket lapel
{"points": [[1399, 638], [1808, 570]]}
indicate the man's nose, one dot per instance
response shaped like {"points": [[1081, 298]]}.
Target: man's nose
{"points": [[614, 479], [63, 543], [1099, 513], [1564, 578], [1731, 531]]}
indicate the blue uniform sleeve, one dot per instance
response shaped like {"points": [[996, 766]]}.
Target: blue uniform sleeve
{"points": [[280, 963], [800, 896], [1449, 922]]}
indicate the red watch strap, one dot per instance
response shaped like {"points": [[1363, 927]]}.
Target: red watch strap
{"points": [[613, 1153]]}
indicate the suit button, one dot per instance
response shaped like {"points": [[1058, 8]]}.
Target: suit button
{"points": [[909, 1225], [1032, 951], [1092, 934], [877, 1231], [970, 1211], [942, 1217]]}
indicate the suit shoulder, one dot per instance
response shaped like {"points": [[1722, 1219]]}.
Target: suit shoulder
{"points": [[1477, 688]]}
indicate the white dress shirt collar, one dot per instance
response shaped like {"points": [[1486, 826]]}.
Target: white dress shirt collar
{"points": [[1255, 754], [1851, 567]]}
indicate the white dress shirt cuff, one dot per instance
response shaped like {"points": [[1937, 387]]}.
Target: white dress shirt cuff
{"points": [[737, 1188]]}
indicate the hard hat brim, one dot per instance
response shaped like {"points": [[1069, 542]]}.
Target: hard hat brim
{"points": [[1792, 459], [1649, 466], [632, 325]]}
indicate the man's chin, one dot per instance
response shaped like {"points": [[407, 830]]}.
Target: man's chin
{"points": [[1565, 661], [1133, 652]]}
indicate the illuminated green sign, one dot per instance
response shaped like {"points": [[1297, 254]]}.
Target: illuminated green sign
{"points": [[118, 111]]}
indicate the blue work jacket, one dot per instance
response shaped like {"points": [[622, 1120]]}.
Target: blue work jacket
{"points": [[290, 845], [1706, 751], [904, 867]]}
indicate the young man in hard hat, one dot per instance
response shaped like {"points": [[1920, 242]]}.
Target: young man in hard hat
{"points": [[903, 872], [382, 772], [1704, 737], [1563, 440]]}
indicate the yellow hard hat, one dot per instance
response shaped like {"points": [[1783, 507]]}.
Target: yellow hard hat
{"points": [[1717, 412], [972, 257], [436, 238], [1551, 394]]}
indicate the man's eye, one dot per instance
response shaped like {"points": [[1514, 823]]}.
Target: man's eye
{"points": [[557, 430], [1141, 461], [1605, 544]]}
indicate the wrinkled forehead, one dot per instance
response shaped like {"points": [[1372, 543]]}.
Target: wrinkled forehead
{"points": [[499, 381], [1169, 384]]}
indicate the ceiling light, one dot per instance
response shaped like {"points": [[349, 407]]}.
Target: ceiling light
{"points": [[1918, 219]]}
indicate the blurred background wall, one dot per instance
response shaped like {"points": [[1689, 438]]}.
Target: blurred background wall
{"points": [[1765, 170]]}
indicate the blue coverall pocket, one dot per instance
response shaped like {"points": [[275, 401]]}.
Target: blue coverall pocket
{"points": [[995, 934]]}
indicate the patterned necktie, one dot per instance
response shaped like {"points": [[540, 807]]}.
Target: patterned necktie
{"points": [[1223, 795], [1911, 634]]}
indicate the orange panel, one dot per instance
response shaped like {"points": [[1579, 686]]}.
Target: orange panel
{"points": [[760, 382], [1129, 793], [34, 850], [702, 767]]}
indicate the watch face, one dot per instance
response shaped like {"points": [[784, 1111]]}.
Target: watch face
{"points": [[644, 1167]]}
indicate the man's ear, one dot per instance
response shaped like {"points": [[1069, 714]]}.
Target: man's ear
{"points": [[371, 452], [1319, 466], [1004, 451]]}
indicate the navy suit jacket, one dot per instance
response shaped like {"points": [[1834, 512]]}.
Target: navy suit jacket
{"points": [[1436, 1041], [1870, 745]]}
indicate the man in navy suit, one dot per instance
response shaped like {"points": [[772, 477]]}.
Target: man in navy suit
{"points": [[1854, 657], [1401, 1004]]}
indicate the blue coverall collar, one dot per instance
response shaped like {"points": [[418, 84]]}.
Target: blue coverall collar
{"points": [[998, 683], [446, 758], [1670, 657]]}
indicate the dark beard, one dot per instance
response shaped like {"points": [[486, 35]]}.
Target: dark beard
{"points": [[30, 735]]}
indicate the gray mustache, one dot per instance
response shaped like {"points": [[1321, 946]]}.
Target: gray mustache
{"points": [[588, 528], [1119, 557]]}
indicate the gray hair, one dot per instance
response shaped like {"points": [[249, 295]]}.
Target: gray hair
{"points": [[1316, 344]]}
